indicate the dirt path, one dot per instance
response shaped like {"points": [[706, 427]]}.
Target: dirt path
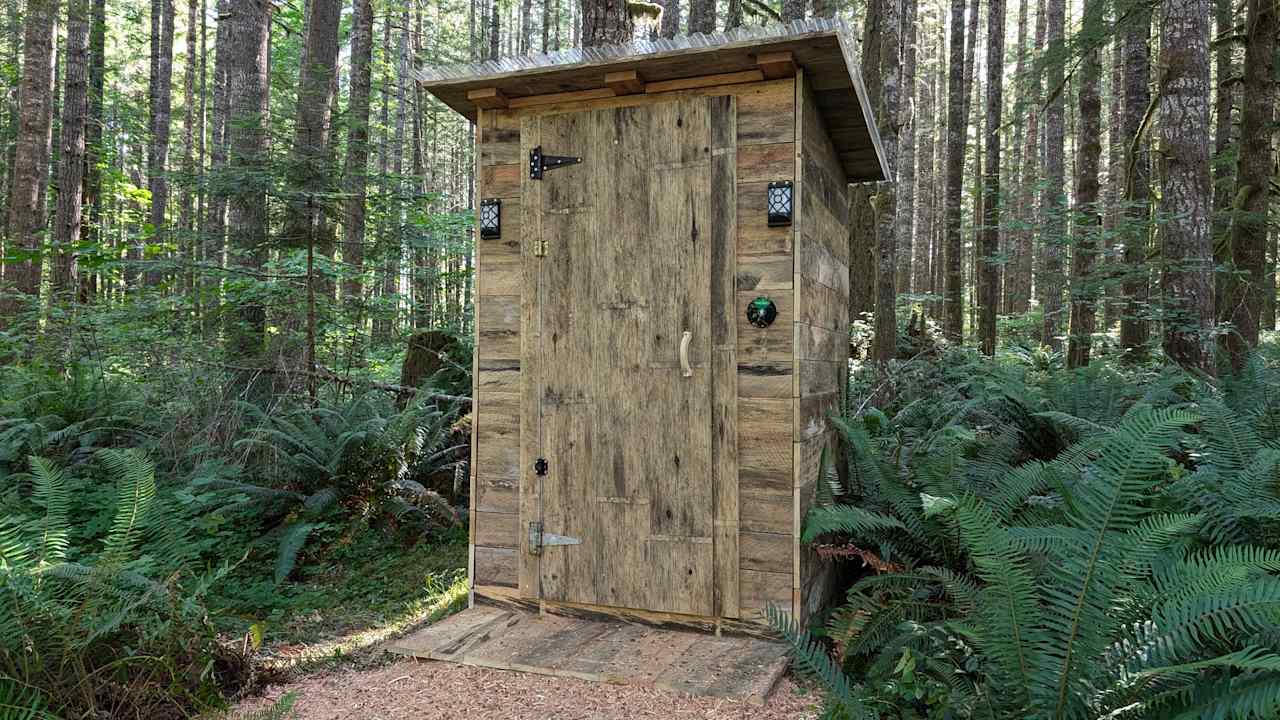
{"points": [[413, 689]]}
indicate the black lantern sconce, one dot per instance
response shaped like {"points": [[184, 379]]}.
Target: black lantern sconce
{"points": [[490, 218], [761, 312], [779, 203]]}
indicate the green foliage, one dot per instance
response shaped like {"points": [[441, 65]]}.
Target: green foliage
{"points": [[1083, 544], [120, 626], [357, 458]]}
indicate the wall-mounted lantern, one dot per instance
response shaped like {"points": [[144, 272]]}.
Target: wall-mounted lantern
{"points": [[490, 218], [779, 203], [761, 312]]}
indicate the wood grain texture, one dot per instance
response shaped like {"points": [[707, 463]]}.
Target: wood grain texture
{"points": [[607, 357], [724, 353]]}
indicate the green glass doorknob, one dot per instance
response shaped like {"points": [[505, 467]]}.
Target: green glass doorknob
{"points": [[761, 312]]}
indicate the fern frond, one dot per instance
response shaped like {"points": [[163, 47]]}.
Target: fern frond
{"points": [[291, 543], [279, 710], [136, 486], [1007, 605], [847, 519], [50, 491], [22, 702], [811, 659]]}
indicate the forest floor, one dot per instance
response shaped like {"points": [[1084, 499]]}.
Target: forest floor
{"points": [[324, 643], [419, 689]]}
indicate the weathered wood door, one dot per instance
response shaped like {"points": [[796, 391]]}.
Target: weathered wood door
{"points": [[618, 259]]}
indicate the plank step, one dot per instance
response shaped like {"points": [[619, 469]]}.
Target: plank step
{"points": [[599, 650]]}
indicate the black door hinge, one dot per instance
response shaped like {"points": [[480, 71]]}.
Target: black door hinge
{"points": [[539, 162]]}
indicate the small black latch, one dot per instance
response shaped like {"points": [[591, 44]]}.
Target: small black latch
{"points": [[539, 162], [540, 466]]}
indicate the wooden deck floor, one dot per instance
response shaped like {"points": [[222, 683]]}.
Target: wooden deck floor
{"points": [[743, 668]]}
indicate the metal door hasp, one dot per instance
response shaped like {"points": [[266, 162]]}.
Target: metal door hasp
{"points": [[539, 162], [539, 539]]}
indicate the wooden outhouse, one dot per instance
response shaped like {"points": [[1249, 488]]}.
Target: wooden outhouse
{"points": [[661, 316]]}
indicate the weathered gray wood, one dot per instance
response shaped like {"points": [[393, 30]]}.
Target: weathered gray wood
{"points": [[603, 650]]}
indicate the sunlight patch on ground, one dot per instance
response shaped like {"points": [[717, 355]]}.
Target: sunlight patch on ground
{"points": [[436, 604]]}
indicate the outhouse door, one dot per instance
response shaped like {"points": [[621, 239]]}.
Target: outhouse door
{"points": [[616, 348]]}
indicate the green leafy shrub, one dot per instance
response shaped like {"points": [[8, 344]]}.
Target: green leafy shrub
{"points": [[355, 459], [1032, 563], [115, 627]]}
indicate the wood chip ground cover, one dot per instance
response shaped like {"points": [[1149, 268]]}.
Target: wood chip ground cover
{"points": [[412, 689]]}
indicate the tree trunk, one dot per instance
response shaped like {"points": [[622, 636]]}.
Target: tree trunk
{"points": [[187, 207], [75, 108], [26, 221], [355, 172], [924, 128], [606, 22], [494, 28], [670, 19], [91, 203], [989, 294], [1084, 291], [215, 220], [1253, 180], [794, 10], [1186, 189], [526, 26], [905, 206], [1053, 198], [159, 105], [1136, 227], [1115, 185], [1223, 164], [247, 42], [702, 16], [887, 217], [953, 321], [310, 178]]}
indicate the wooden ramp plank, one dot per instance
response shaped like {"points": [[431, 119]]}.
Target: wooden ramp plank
{"points": [[603, 650], [729, 667]]}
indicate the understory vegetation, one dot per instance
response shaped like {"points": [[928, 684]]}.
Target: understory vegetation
{"points": [[164, 551], [1028, 541]]}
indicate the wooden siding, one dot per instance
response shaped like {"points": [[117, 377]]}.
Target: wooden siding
{"points": [[821, 327], [756, 511], [495, 497]]}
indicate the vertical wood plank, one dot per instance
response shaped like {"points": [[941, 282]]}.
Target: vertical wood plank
{"points": [[724, 340], [475, 380], [528, 564], [797, 215]]}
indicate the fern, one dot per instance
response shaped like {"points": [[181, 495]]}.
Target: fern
{"points": [[136, 485], [21, 702], [279, 710], [291, 543], [51, 493], [810, 658]]}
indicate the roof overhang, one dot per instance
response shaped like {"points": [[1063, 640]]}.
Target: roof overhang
{"points": [[823, 48]]}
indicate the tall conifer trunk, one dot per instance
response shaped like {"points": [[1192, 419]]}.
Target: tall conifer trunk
{"points": [[953, 321], [247, 42], [356, 169], [1053, 197], [989, 292], [160, 104], [1256, 166], [1135, 229], [1084, 291], [1186, 279], [75, 107], [26, 221]]}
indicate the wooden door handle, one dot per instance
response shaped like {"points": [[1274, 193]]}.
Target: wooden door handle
{"points": [[684, 354]]}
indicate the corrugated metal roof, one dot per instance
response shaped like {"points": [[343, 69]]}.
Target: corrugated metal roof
{"points": [[635, 50], [825, 48]]}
